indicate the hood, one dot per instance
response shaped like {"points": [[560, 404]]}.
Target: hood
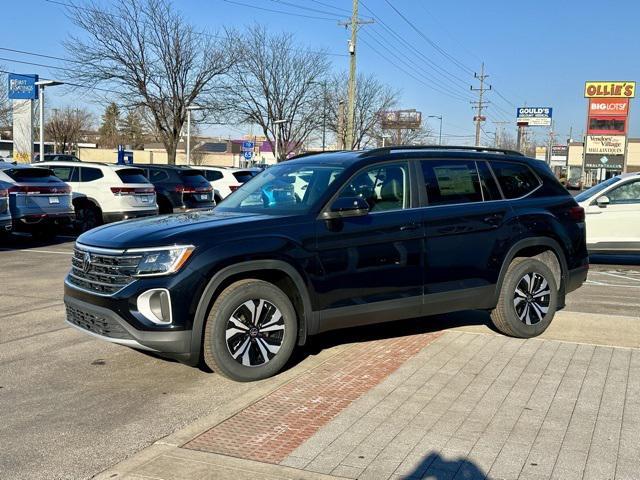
{"points": [[186, 228]]}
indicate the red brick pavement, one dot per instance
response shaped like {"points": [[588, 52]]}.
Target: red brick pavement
{"points": [[273, 427]]}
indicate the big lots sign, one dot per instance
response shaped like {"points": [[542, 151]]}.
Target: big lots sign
{"points": [[608, 107]]}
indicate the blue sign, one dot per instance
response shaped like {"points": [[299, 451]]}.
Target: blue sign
{"points": [[23, 87], [534, 116], [248, 155], [247, 145]]}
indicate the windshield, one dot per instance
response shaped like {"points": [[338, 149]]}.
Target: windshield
{"points": [[283, 189], [587, 194]]}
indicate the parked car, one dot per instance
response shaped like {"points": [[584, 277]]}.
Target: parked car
{"points": [[366, 237], [573, 183], [55, 157], [179, 188], [5, 212], [40, 203], [105, 193], [226, 180], [613, 214]]}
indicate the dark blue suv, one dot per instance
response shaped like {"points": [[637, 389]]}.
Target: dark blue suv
{"points": [[334, 240]]}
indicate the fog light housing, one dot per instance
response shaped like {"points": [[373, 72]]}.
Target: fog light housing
{"points": [[155, 305]]}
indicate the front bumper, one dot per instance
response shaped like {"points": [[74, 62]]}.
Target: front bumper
{"points": [[106, 325], [110, 217]]}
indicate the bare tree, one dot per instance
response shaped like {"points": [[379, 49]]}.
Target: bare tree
{"points": [[152, 56], [277, 80], [372, 97], [5, 103], [65, 127], [405, 136]]}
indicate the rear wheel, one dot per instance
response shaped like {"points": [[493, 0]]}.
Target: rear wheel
{"points": [[88, 217], [164, 205], [250, 332], [528, 299]]}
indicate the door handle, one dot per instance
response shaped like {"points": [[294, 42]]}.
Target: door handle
{"points": [[493, 220], [410, 226]]}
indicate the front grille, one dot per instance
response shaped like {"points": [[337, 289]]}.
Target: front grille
{"points": [[102, 273], [104, 326]]}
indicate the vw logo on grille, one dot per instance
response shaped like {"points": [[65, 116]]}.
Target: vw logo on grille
{"points": [[86, 262]]}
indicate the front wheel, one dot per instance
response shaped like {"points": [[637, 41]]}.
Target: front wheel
{"points": [[250, 331], [528, 299]]}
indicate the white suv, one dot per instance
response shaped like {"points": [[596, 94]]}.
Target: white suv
{"points": [[227, 180], [104, 193], [613, 214]]}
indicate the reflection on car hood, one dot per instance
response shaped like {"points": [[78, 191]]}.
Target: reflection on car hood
{"points": [[184, 228]]}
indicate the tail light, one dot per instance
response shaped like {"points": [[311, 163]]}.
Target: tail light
{"points": [[233, 188], [4, 193], [190, 189], [577, 214], [40, 190], [122, 191]]}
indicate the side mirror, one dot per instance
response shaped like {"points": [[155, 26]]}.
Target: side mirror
{"points": [[347, 207], [603, 201]]}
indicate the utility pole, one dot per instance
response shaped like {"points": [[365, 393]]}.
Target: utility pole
{"points": [[499, 130], [354, 23], [552, 138], [480, 104]]}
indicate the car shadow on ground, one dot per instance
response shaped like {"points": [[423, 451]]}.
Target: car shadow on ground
{"points": [[396, 329], [24, 241]]}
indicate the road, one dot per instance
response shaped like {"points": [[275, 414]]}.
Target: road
{"points": [[73, 406]]}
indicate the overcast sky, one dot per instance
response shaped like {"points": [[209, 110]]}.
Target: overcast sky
{"points": [[535, 52]]}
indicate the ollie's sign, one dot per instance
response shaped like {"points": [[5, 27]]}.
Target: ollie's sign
{"points": [[610, 89]]}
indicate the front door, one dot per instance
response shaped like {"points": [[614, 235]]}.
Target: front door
{"points": [[371, 266], [616, 225]]}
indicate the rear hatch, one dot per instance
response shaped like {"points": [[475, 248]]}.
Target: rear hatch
{"points": [[136, 191], [37, 191], [242, 176], [196, 190]]}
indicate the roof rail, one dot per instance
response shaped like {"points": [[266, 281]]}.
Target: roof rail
{"points": [[309, 154], [389, 149]]}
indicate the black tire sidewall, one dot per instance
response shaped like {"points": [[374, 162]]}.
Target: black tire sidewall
{"points": [[217, 321], [512, 279], [84, 214]]}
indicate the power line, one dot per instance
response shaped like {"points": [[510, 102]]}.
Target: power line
{"points": [[273, 10], [308, 9], [344, 10], [437, 47]]}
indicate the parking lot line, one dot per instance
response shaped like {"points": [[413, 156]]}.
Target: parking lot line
{"points": [[624, 277], [34, 250]]}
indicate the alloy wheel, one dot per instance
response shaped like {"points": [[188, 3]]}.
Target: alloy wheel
{"points": [[255, 332], [531, 298]]}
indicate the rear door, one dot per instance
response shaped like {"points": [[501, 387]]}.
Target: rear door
{"points": [[466, 222], [616, 226]]}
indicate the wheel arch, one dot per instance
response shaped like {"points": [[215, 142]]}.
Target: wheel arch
{"points": [[83, 200], [279, 272]]}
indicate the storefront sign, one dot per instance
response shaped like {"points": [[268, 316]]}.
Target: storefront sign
{"points": [[534, 116], [610, 89], [605, 144], [22, 87], [608, 162], [559, 155], [605, 125], [608, 106]]}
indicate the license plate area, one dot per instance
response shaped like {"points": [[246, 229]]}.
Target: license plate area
{"points": [[54, 200]]}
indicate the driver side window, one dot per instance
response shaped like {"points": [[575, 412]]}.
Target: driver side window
{"points": [[627, 193], [384, 187]]}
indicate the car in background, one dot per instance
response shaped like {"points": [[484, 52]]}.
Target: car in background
{"points": [[56, 157], [5, 212], [573, 183], [227, 180], [179, 188], [40, 203], [105, 193], [612, 211]]}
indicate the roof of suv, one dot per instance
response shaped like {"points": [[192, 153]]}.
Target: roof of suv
{"points": [[113, 166]]}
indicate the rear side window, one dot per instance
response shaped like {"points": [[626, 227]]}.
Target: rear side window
{"points": [[212, 175], [90, 174], [66, 174], [158, 175], [451, 181], [243, 177], [132, 175], [192, 176], [490, 190], [515, 179]]}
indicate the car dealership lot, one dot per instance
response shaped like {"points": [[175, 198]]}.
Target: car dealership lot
{"points": [[73, 406]]}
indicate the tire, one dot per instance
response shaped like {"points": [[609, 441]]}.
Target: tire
{"points": [[164, 206], [217, 199], [526, 306], [241, 357], [88, 217]]}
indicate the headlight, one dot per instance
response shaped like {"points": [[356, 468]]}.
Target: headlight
{"points": [[161, 261]]}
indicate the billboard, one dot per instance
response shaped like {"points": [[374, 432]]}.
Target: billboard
{"points": [[395, 119], [602, 125], [609, 106], [22, 87], [605, 144], [610, 89], [534, 116], [608, 162]]}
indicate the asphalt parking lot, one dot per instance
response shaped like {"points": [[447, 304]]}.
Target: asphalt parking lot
{"points": [[73, 406]]}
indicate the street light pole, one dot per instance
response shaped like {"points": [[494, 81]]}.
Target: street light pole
{"points": [[41, 85], [277, 123], [190, 108], [324, 115], [439, 117]]}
